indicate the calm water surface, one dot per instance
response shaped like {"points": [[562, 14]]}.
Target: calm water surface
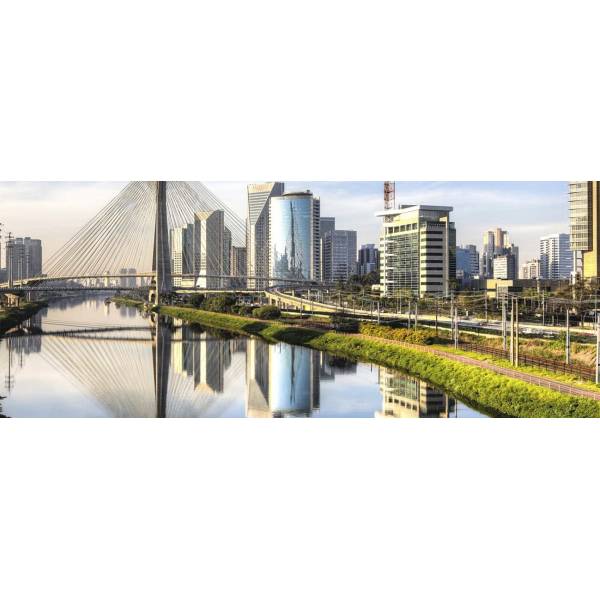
{"points": [[83, 358]]}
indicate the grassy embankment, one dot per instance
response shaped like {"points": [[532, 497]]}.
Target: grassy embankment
{"points": [[11, 317], [426, 336], [495, 394]]}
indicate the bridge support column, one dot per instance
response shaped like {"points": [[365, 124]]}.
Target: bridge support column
{"points": [[161, 263]]}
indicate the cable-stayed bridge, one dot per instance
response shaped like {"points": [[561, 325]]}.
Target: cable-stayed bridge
{"points": [[145, 234]]}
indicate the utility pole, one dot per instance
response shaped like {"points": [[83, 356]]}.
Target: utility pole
{"points": [[568, 338], [517, 332], [504, 306], [409, 314], [416, 313], [452, 315], [512, 331], [456, 328], [437, 310], [486, 308], [378, 313], [543, 309]]}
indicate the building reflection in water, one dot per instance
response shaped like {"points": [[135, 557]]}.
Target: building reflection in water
{"points": [[405, 396], [281, 380]]}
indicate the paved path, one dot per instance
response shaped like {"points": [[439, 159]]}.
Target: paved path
{"points": [[546, 382]]}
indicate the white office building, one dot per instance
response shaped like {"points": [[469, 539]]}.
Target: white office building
{"points": [[417, 251]]}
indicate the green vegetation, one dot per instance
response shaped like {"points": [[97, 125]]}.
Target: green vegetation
{"points": [[412, 336], [125, 301], [493, 393], [11, 317], [266, 312]]}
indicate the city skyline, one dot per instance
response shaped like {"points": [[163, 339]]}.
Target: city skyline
{"points": [[529, 210]]}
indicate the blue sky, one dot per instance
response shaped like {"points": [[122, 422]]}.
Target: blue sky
{"points": [[53, 211]]}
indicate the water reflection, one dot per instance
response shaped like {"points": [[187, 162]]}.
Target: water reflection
{"points": [[405, 396], [91, 359]]}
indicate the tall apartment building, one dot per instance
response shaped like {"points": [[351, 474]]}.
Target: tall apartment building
{"points": [[258, 230], [556, 258], [181, 245], [294, 237], [368, 259], [417, 250], [531, 269], [584, 227], [23, 258], [338, 255], [209, 234]]}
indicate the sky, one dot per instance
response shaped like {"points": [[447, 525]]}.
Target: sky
{"points": [[54, 211]]}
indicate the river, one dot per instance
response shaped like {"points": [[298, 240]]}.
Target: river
{"points": [[85, 358]]}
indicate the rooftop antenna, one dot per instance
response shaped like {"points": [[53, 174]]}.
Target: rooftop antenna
{"points": [[389, 195]]}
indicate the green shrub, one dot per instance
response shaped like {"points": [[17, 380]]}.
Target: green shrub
{"points": [[412, 336], [266, 312]]}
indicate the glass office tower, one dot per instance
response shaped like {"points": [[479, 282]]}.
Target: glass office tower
{"points": [[294, 237]]}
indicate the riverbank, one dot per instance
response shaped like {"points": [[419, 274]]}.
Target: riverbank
{"points": [[494, 393], [11, 317]]}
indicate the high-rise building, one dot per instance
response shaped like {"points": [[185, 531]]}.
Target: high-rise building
{"points": [[338, 255], [327, 224], [238, 266], [584, 227], [417, 250], [226, 254], [368, 259], [467, 261], [23, 258], [294, 237], [257, 231], [487, 253], [181, 245], [209, 234], [505, 266], [556, 258], [531, 269], [496, 242], [127, 277]]}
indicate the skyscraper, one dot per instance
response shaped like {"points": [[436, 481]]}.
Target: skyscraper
{"points": [[23, 258], [556, 258], [467, 261], [327, 224], [496, 242], [209, 234], [238, 266], [584, 227], [338, 255], [181, 245], [257, 230], [368, 259], [294, 223], [417, 250]]}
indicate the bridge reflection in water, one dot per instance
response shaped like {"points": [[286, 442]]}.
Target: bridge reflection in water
{"points": [[165, 368]]}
